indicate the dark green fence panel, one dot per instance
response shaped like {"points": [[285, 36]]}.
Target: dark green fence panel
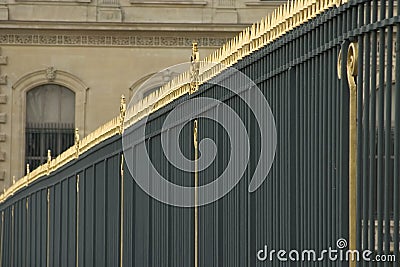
{"points": [[378, 129], [49, 222], [156, 234], [62, 207]]}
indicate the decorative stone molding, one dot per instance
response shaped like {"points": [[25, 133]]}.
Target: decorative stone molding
{"points": [[3, 79], [50, 74], [109, 3], [3, 60], [2, 156], [3, 99], [2, 137], [45, 39], [3, 117], [3, 12], [109, 14]]}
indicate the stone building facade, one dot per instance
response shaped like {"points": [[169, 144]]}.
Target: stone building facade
{"points": [[86, 54]]}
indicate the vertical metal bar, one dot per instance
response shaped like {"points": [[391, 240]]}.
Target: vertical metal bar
{"points": [[343, 177], [309, 78], [196, 184], [365, 128], [320, 134], [340, 118], [372, 132], [2, 239], [396, 152], [77, 223], [324, 154], [298, 150], [27, 231], [301, 152], [312, 183], [360, 147], [121, 248], [388, 125], [12, 235], [341, 168], [48, 229], [329, 99], [276, 213], [380, 163]]}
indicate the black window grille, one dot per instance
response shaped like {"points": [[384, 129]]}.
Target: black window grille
{"points": [[41, 137]]}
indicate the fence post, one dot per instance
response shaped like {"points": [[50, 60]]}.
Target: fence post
{"points": [[48, 230], [121, 211], [2, 239], [77, 223], [196, 184], [352, 70], [12, 235]]}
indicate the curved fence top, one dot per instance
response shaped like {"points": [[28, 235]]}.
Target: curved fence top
{"points": [[284, 19]]}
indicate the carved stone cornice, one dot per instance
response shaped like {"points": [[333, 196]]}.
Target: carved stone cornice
{"points": [[51, 39]]}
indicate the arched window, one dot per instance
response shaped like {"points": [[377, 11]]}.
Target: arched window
{"points": [[50, 122]]}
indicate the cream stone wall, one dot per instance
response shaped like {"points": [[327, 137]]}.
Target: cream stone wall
{"points": [[100, 50]]}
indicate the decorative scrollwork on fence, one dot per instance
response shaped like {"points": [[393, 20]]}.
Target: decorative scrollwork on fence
{"points": [[352, 64]]}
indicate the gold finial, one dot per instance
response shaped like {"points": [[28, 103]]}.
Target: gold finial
{"points": [[122, 113], [48, 161], [76, 137], [13, 178], [28, 171], [194, 68], [195, 141], [195, 47]]}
